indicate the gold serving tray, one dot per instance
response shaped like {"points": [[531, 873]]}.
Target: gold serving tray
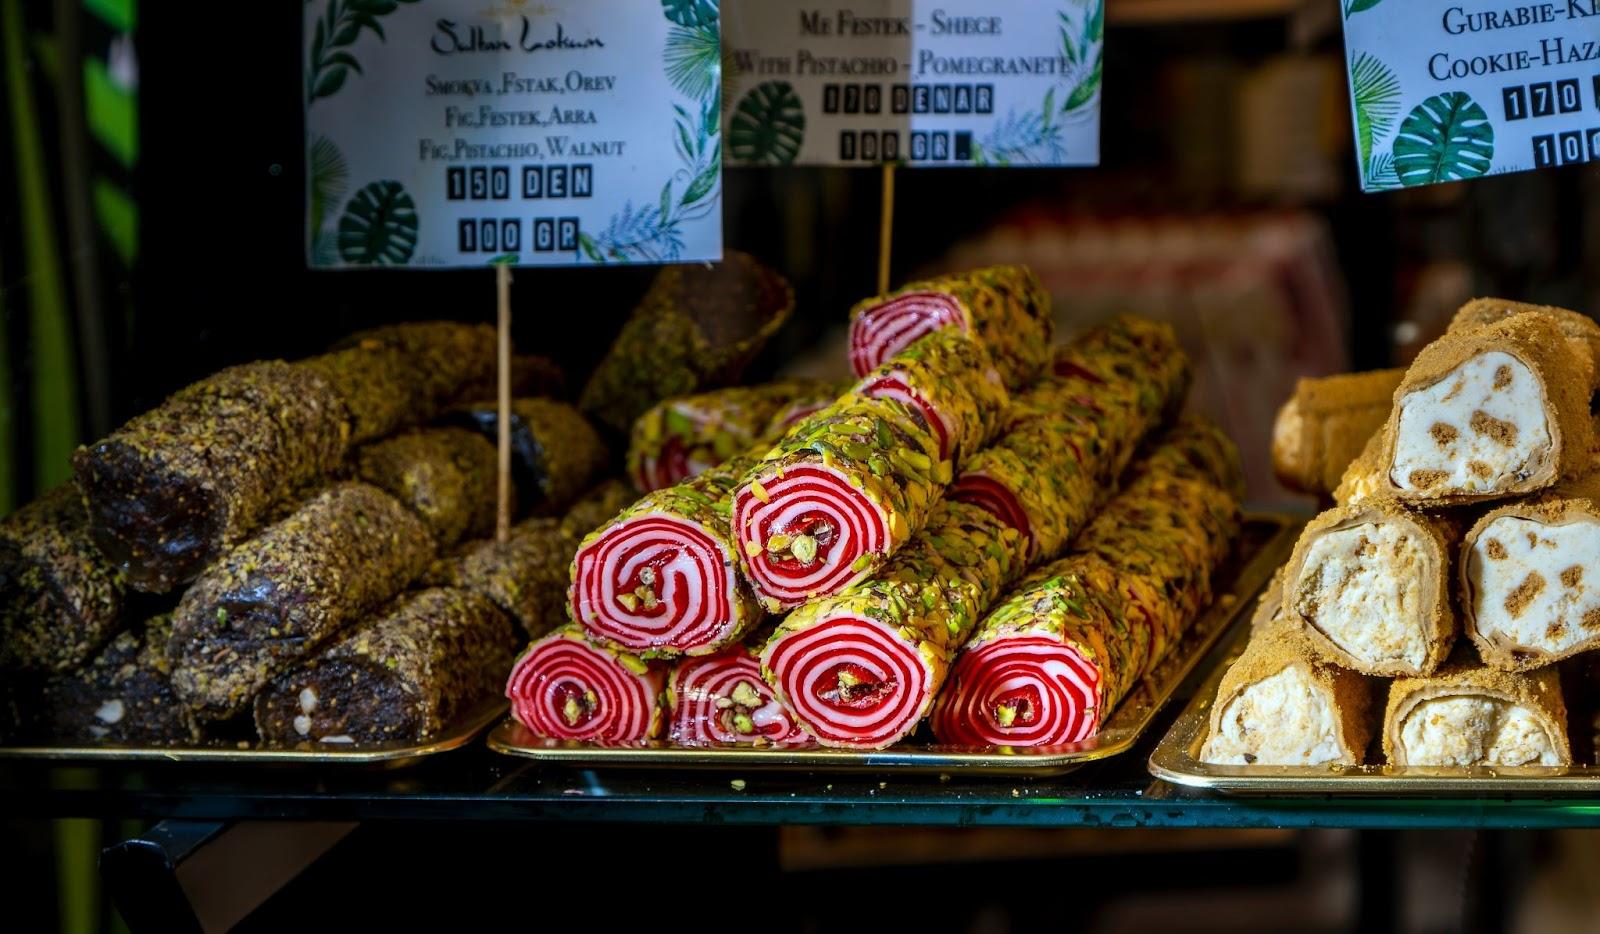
{"points": [[387, 755], [1176, 759], [1263, 546]]}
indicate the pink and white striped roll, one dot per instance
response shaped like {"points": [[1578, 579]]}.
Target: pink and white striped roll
{"points": [[667, 466], [1019, 692], [720, 700], [885, 329], [819, 503], [564, 687]]}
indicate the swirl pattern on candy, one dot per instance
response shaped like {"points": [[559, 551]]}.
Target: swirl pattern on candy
{"points": [[663, 578], [564, 687], [835, 498], [683, 437], [1004, 308], [1052, 661], [721, 700], [949, 378]]}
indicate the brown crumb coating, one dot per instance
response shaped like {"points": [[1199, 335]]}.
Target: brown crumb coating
{"points": [[277, 598], [1565, 372], [1279, 645], [1436, 537], [176, 487], [60, 601], [447, 476], [598, 506], [123, 696], [407, 675], [1325, 425], [526, 575], [1576, 327], [1464, 676], [400, 375], [695, 329], [556, 454]]}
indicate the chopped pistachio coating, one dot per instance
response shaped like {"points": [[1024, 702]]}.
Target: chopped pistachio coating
{"points": [[444, 475], [525, 575], [682, 437], [1004, 308], [123, 696], [801, 407], [696, 328], [400, 375], [597, 507], [555, 453], [178, 486], [1194, 448], [279, 597], [60, 601], [952, 380], [409, 674]]}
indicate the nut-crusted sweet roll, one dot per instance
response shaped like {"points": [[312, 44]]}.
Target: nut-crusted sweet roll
{"points": [[1280, 704], [1369, 585], [1469, 714], [1530, 578], [1326, 423], [1490, 411]]}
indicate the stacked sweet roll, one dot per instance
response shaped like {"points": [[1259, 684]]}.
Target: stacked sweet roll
{"points": [[838, 581], [1471, 505]]}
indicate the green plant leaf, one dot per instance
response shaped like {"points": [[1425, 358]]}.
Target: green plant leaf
{"points": [[329, 180], [666, 201], [1376, 94], [691, 12], [693, 58], [331, 81], [345, 58], [1084, 92], [768, 126], [590, 248], [1352, 7], [379, 226], [702, 185], [1445, 138], [1380, 175]]}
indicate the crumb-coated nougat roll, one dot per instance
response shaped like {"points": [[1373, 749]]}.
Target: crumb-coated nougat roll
{"points": [[1362, 480], [1576, 327], [1326, 423], [1530, 577], [1369, 585], [1490, 411], [406, 675], [1469, 714], [1281, 704]]}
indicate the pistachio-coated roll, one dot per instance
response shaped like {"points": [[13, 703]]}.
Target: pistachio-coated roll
{"points": [[834, 500], [123, 696], [1326, 423], [695, 329], [556, 455], [680, 438], [663, 577], [60, 601], [399, 375], [1467, 714], [802, 407], [564, 687], [525, 575], [949, 378], [175, 488], [1004, 308], [447, 476], [279, 597], [720, 700], [407, 675]]}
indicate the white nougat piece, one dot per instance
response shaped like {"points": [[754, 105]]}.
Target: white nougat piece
{"points": [[1472, 715]]}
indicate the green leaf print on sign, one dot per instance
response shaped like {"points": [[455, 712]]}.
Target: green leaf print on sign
{"points": [[693, 58], [379, 227], [327, 68], [1445, 138], [330, 179], [1376, 93], [691, 12], [768, 126], [1352, 7]]}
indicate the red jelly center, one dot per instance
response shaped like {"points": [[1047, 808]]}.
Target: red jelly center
{"points": [[848, 686], [1023, 704], [822, 531], [644, 587], [573, 706]]}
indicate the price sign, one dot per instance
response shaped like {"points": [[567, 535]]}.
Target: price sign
{"points": [[1447, 91], [448, 133], [946, 83]]}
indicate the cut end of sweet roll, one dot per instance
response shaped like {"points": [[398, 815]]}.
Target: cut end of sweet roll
{"points": [[562, 687], [1469, 715], [1025, 691], [994, 497], [806, 531], [851, 680], [721, 700], [881, 330]]}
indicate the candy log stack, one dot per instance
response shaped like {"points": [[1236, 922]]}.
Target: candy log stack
{"points": [[721, 700], [525, 575], [1004, 308], [663, 578], [840, 494], [446, 476], [681, 438], [564, 687], [949, 378], [556, 454], [123, 695], [1052, 661]]}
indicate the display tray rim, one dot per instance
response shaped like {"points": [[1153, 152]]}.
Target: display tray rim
{"points": [[1128, 724], [467, 729], [1175, 760]]}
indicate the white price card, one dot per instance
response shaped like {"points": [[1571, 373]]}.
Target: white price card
{"points": [[447, 133], [1444, 91], [924, 82]]}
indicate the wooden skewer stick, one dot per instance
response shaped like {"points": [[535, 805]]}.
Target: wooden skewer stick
{"points": [[886, 228], [502, 523]]}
